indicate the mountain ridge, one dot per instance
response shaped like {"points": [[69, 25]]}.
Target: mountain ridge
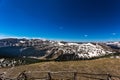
{"points": [[55, 50]]}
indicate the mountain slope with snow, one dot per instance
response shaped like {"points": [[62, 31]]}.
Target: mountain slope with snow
{"points": [[47, 49], [77, 51]]}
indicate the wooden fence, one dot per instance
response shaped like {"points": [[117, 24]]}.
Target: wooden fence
{"points": [[32, 75]]}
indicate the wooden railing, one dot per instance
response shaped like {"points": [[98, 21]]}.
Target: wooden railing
{"points": [[28, 75]]}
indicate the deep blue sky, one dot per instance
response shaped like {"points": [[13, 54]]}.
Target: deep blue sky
{"points": [[74, 20]]}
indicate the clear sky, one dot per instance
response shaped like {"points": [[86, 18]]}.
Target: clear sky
{"points": [[73, 20]]}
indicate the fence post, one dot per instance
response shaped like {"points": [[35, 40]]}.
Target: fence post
{"points": [[109, 76], [49, 76], [1, 76], [75, 76], [22, 76]]}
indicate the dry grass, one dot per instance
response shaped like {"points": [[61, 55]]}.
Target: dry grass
{"points": [[98, 66]]}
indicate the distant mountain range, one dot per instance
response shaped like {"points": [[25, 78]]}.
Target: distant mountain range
{"points": [[56, 50]]}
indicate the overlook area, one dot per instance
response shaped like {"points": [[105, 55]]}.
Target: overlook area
{"points": [[88, 67]]}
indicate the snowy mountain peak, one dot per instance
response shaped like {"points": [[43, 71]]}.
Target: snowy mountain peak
{"points": [[78, 51]]}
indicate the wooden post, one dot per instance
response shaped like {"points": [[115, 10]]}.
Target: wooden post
{"points": [[109, 77], [75, 76], [1, 77], [22, 76], [49, 76]]}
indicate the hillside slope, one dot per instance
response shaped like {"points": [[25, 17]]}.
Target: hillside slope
{"points": [[73, 51], [98, 66]]}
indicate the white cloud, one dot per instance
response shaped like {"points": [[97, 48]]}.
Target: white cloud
{"points": [[7, 36], [2, 36], [114, 34], [85, 35]]}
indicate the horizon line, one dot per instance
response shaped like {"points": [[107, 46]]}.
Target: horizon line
{"points": [[53, 39]]}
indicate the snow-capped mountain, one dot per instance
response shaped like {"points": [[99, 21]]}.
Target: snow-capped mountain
{"points": [[113, 44], [77, 51], [48, 49]]}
